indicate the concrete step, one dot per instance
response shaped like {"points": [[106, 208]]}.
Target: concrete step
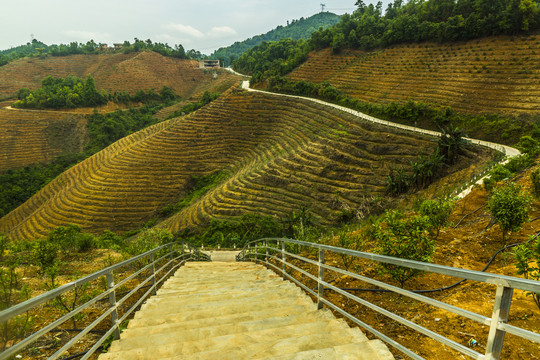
{"points": [[237, 311], [175, 343], [368, 350], [224, 327], [234, 347], [198, 311], [222, 318], [199, 301]]}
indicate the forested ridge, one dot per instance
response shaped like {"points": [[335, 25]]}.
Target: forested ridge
{"points": [[296, 29], [370, 27], [40, 49]]}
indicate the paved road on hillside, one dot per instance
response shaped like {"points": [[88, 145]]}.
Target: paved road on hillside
{"points": [[506, 150]]}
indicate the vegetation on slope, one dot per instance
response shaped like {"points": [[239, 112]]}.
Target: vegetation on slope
{"points": [[279, 154], [368, 28], [40, 49], [116, 73], [295, 30], [18, 185], [61, 93], [492, 127]]}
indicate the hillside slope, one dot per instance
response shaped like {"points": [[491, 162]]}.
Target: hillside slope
{"points": [[112, 73], [30, 137], [489, 75], [280, 154]]}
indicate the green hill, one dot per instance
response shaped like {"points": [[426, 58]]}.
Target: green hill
{"points": [[296, 29]]}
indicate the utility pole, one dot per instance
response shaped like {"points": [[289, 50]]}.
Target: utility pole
{"points": [[322, 7]]}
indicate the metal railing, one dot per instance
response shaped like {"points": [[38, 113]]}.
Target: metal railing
{"points": [[168, 257], [273, 253]]}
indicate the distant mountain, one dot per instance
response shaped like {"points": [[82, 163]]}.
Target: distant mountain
{"points": [[296, 29]]}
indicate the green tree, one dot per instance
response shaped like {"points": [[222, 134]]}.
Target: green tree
{"points": [[438, 212], [528, 264], [406, 238], [509, 207]]}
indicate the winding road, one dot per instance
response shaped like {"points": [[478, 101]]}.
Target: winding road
{"points": [[506, 150]]}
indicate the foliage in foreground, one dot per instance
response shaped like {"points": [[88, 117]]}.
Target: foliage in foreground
{"points": [[405, 238], [509, 207], [528, 263]]}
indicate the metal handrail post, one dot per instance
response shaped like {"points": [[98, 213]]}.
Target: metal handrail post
{"points": [[112, 303], [153, 269], [284, 259], [320, 286], [501, 310]]}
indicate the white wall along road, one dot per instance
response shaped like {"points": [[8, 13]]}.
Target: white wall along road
{"points": [[506, 150]]}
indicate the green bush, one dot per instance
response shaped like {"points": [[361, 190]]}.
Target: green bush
{"points": [[509, 207], [406, 238], [489, 183], [149, 239], [60, 93], [45, 255], [499, 173], [535, 179], [437, 211], [528, 264]]}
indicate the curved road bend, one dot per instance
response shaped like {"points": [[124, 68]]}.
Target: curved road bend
{"points": [[506, 150]]}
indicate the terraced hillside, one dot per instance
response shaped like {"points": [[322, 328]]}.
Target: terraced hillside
{"points": [[115, 73], [280, 154], [30, 137], [489, 75]]}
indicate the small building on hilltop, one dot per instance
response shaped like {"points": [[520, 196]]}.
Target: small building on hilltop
{"points": [[209, 64]]}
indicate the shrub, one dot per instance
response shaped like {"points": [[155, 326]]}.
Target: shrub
{"points": [[70, 238], [489, 183], [397, 182], [148, 240], [437, 211], [45, 255], [535, 179], [405, 238], [499, 173], [110, 240], [509, 207], [528, 264]]}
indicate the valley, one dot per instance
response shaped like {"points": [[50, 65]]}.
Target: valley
{"points": [[220, 164]]}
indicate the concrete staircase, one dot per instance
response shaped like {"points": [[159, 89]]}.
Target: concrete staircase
{"points": [[224, 310]]}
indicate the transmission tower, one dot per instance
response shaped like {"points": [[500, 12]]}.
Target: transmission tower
{"points": [[322, 7]]}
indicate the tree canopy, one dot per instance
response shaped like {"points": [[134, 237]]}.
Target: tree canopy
{"points": [[296, 29], [69, 92], [369, 27]]}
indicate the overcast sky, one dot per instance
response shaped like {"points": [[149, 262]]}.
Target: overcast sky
{"points": [[204, 25]]}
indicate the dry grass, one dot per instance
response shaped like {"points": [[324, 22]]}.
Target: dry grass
{"points": [[281, 154], [489, 75]]}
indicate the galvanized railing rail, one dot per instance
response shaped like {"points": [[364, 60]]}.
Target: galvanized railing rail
{"points": [[264, 251], [172, 255]]}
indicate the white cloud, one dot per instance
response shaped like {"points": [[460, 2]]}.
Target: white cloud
{"points": [[222, 31], [190, 31]]}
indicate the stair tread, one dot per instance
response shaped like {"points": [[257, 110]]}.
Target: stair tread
{"points": [[237, 311]]}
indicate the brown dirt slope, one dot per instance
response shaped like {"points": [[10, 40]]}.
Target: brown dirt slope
{"points": [[30, 137], [114, 73], [280, 154], [489, 75]]}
